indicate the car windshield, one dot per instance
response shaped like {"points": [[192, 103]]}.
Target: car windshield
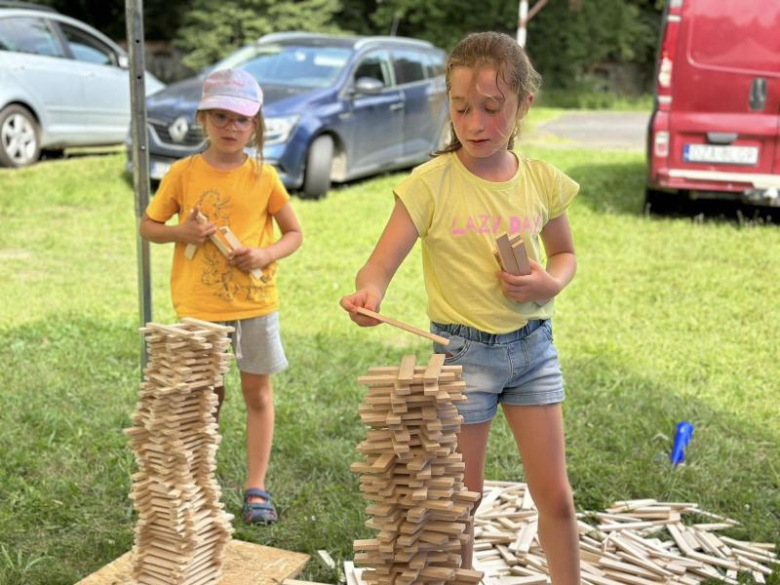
{"points": [[296, 66]]}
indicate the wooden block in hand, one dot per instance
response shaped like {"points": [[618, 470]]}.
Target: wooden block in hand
{"points": [[233, 241], [189, 252], [505, 254], [512, 253], [521, 258]]}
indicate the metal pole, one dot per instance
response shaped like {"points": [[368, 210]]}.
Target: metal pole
{"points": [[135, 48], [521, 21], [524, 18], [394, 27]]}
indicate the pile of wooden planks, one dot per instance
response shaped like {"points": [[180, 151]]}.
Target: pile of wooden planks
{"points": [[182, 528], [634, 542], [413, 476]]}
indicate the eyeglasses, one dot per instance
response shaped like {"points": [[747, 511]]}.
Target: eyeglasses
{"points": [[221, 120]]}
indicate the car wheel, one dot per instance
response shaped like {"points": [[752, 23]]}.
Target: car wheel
{"points": [[661, 202], [319, 162], [20, 137]]}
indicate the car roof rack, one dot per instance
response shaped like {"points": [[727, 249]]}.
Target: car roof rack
{"points": [[308, 39], [367, 41], [281, 36], [26, 6], [359, 42]]}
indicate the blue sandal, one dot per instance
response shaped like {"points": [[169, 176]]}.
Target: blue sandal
{"points": [[259, 512]]}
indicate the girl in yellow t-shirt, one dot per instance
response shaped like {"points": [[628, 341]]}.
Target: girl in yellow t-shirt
{"points": [[498, 324], [232, 190]]}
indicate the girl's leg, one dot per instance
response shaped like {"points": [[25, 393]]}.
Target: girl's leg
{"points": [[472, 444], [538, 431], [258, 397]]}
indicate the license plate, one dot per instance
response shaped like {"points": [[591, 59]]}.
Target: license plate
{"points": [[158, 169], [709, 153]]}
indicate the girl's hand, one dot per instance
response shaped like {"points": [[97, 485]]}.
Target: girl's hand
{"points": [[247, 259], [540, 285], [191, 231], [368, 298]]}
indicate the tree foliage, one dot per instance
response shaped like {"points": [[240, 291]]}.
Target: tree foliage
{"points": [[572, 44], [572, 47], [445, 23], [161, 17], [214, 28]]}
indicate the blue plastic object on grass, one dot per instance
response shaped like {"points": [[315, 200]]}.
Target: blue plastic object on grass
{"points": [[681, 439]]}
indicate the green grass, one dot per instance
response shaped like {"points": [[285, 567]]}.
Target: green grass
{"points": [[592, 99], [668, 319]]}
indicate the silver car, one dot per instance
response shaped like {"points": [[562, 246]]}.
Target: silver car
{"points": [[62, 84]]}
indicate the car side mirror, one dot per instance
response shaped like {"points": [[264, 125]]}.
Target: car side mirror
{"points": [[368, 85], [123, 62]]}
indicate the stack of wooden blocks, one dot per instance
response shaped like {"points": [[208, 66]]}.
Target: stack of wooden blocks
{"points": [[413, 476], [627, 544], [182, 528]]}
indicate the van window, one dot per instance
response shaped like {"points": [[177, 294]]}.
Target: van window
{"points": [[434, 64], [28, 35], [375, 65], [87, 48], [409, 67], [289, 65], [724, 36]]}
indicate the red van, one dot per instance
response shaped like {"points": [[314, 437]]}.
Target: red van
{"points": [[716, 120]]}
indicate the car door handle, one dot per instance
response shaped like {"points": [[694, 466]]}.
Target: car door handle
{"points": [[396, 106], [758, 94]]}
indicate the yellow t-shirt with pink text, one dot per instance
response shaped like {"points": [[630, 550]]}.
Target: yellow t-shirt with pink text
{"points": [[245, 199], [458, 217]]}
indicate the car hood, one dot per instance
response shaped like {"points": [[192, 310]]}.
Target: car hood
{"points": [[182, 98]]}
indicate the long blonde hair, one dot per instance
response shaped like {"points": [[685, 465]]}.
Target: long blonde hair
{"points": [[497, 51]]}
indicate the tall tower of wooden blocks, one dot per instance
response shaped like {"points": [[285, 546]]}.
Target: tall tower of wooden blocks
{"points": [[412, 475], [182, 527]]}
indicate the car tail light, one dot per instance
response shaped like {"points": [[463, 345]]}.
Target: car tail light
{"points": [[663, 87], [661, 144], [659, 147]]}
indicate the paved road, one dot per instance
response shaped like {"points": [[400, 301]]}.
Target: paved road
{"points": [[608, 130]]}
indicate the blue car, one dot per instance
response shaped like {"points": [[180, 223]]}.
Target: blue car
{"points": [[336, 108]]}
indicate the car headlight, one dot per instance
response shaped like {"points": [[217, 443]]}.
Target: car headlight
{"points": [[278, 130]]}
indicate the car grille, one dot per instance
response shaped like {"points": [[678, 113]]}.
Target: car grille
{"points": [[194, 136]]}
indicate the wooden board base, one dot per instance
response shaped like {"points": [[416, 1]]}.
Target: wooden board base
{"points": [[245, 564]]}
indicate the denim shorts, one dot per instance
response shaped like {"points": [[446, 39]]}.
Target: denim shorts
{"points": [[517, 368], [257, 344]]}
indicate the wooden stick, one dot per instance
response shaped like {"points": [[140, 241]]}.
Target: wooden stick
{"points": [[327, 559], [506, 255], [235, 243], [225, 249], [521, 257], [189, 252], [404, 326]]}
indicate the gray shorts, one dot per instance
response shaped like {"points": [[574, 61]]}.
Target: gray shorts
{"points": [[257, 344]]}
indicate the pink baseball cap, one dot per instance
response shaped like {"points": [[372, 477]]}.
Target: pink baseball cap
{"points": [[233, 90]]}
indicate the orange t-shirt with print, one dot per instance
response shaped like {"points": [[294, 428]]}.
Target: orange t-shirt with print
{"points": [[245, 199]]}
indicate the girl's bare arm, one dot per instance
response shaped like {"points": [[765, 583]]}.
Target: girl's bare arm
{"points": [[372, 280]]}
